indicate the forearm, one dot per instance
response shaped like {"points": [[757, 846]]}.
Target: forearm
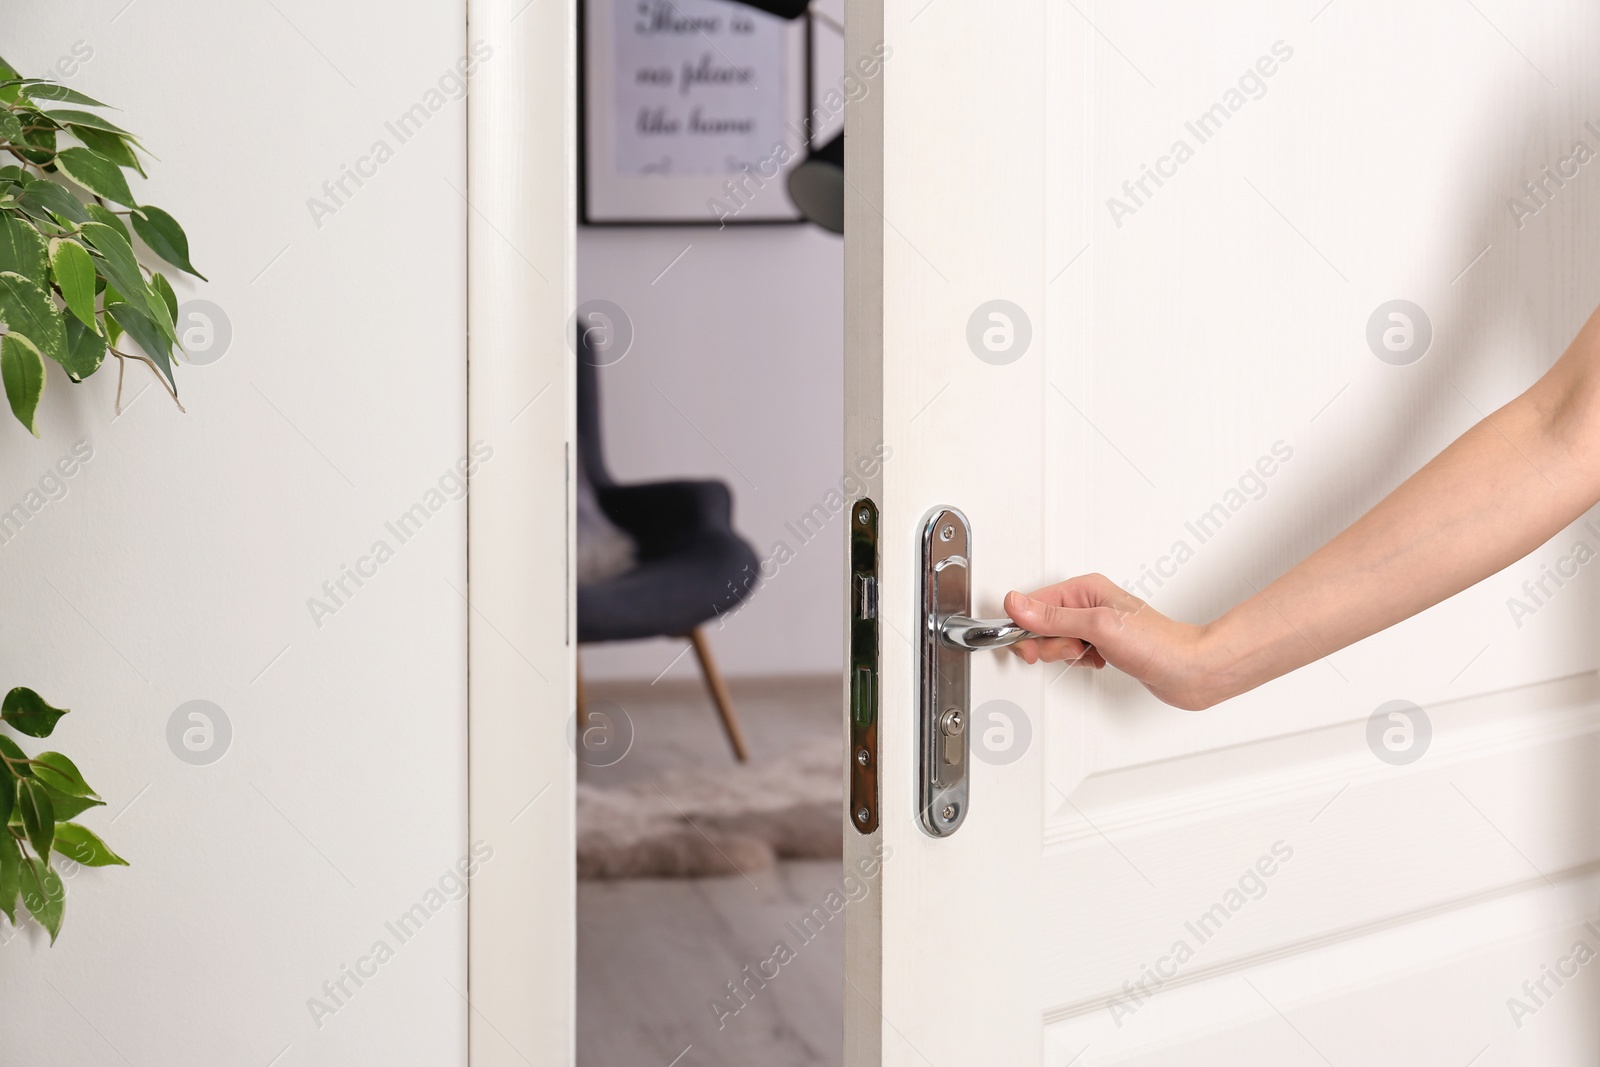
{"points": [[1502, 489]]}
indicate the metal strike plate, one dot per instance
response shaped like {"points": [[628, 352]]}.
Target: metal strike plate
{"points": [[945, 584], [863, 599]]}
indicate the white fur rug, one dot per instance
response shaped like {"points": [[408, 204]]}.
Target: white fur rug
{"points": [[715, 821]]}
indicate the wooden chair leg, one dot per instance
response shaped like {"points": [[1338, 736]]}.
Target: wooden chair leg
{"points": [[719, 694], [583, 699]]}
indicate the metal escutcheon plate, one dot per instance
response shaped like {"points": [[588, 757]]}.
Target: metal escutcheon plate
{"points": [[944, 691]]}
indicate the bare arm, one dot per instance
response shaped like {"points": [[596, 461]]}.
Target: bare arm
{"points": [[1502, 489]]}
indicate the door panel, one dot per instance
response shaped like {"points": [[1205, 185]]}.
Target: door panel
{"points": [[1265, 253], [1200, 375]]}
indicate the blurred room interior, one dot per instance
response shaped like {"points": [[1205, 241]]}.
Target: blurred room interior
{"points": [[711, 529]]}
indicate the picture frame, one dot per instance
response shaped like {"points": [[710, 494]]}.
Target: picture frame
{"points": [[690, 113]]}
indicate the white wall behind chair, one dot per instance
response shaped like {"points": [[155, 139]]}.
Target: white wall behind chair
{"points": [[736, 372]]}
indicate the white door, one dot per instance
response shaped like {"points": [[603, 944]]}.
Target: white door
{"points": [[1174, 293]]}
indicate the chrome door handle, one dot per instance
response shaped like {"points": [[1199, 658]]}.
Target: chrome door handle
{"points": [[948, 635], [976, 635]]}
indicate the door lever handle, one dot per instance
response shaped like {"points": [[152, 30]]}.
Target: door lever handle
{"points": [[947, 633], [975, 635]]}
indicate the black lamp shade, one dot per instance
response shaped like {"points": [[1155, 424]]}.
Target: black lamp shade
{"points": [[817, 185], [784, 9]]}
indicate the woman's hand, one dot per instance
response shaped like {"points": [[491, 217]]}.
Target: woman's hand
{"points": [[1090, 621]]}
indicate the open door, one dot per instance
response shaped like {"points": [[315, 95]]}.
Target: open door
{"points": [[1175, 293]]}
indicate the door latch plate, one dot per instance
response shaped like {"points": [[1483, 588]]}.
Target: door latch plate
{"points": [[864, 666]]}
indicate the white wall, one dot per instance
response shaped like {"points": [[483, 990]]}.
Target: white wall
{"points": [[736, 372], [179, 564]]}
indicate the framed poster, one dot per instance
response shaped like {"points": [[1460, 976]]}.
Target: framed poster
{"points": [[692, 112]]}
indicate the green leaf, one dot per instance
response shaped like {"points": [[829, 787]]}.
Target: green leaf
{"points": [[38, 815], [164, 312], [43, 199], [73, 270], [27, 309], [38, 145], [27, 713], [72, 117], [36, 125], [8, 801], [101, 213], [44, 895], [12, 751], [145, 299], [43, 90], [22, 371], [109, 145], [10, 127], [66, 807], [60, 774], [22, 249], [80, 843], [165, 237], [86, 350], [10, 874], [71, 807], [95, 173], [117, 262], [121, 270], [163, 289], [146, 334], [7, 71]]}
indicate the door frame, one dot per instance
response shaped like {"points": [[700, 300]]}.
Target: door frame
{"points": [[521, 210]]}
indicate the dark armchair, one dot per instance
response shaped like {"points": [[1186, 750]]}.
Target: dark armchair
{"points": [[691, 565]]}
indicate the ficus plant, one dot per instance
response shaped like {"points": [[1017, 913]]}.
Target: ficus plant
{"points": [[39, 797], [72, 291]]}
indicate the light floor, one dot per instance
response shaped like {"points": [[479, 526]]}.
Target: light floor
{"points": [[653, 954]]}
